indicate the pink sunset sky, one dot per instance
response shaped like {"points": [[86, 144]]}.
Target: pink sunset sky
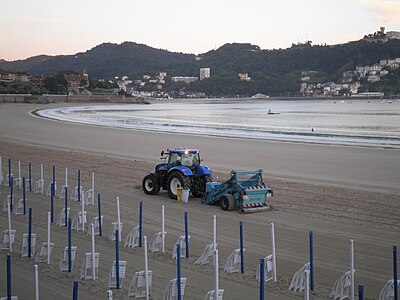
{"points": [[29, 28]]}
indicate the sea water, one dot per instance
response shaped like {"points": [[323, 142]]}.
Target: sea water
{"points": [[373, 123]]}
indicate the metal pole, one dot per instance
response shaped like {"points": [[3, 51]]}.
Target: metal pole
{"points": [[146, 267], [36, 268], [1, 171], [311, 261], [48, 237], [30, 177], [19, 174], [262, 279], [93, 188], [66, 176], [215, 232], [52, 192], [30, 233], [117, 258], [274, 271], [52, 202], [186, 235], [9, 277], [119, 221], [216, 275], [9, 172], [360, 292], [9, 226], [140, 223], [83, 212], [241, 249], [24, 194], [99, 209], [307, 286], [41, 179], [75, 291], [178, 269], [11, 193], [79, 185], [395, 284], [66, 205], [70, 245], [163, 228], [352, 269], [93, 251]]}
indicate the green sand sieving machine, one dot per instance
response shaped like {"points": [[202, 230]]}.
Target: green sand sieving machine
{"points": [[244, 191]]}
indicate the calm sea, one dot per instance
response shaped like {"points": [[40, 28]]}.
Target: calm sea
{"points": [[373, 123]]}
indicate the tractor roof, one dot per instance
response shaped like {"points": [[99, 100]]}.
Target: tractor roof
{"points": [[183, 150]]}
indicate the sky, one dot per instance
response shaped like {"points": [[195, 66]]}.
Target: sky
{"points": [[51, 27]]}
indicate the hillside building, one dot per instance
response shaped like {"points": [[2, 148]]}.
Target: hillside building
{"points": [[185, 79], [204, 73]]}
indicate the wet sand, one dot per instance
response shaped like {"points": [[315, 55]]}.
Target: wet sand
{"points": [[340, 193]]}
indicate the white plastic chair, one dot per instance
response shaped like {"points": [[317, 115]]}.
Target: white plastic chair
{"points": [[39, 186], [182, 242], [171, 291], [25, 246], [210, 295], [387, 293], [7, 179], [48, 191], [113, 227], [19, 208], [74, 194], [132, 239], [12, 298], [89, 197], [87, 266], [6, 202], [64, 258], [96, 223], [298, 282], [206, 256], [61, 217], [61, 193], [268, 269], [341, 287], [112, 279], [233, 262], [155, 244], [5, 239], [78, 222], [137, 288], [40, 254]]}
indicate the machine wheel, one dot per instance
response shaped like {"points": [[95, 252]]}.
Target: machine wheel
{"points": [[201, 185], [175, 180], [150, 185], [228, 202]]}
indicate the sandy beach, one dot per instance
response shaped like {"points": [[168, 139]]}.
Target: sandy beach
{"points": [[338, 192]]}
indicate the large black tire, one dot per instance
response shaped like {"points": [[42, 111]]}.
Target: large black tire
{"points": [[177, 179], [200, 186], [228, 202], [150, 184]]}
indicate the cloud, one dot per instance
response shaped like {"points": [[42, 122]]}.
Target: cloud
{"points": [[388, 11]]}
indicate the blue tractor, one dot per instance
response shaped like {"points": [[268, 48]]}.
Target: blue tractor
{"points": [[181, 168]]}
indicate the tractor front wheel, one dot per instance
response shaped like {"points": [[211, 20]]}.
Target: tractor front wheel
{"points": [[150, 185], [227, 202], [176, 180]]}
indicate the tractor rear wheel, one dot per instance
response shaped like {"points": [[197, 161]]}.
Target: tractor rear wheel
{"points": [[200, 185], [176, 180], [150, 184], [228, 202]]}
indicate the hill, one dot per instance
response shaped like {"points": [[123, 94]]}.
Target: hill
{"points": [[272, 72]]}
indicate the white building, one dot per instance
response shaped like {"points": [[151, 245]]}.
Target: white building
{"points": [[185, 79], [204, 73]]}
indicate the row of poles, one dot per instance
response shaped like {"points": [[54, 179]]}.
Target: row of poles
{"points": [[118, 234]]}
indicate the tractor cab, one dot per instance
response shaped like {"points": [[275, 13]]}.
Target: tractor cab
{"points": [[183, 157]]}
